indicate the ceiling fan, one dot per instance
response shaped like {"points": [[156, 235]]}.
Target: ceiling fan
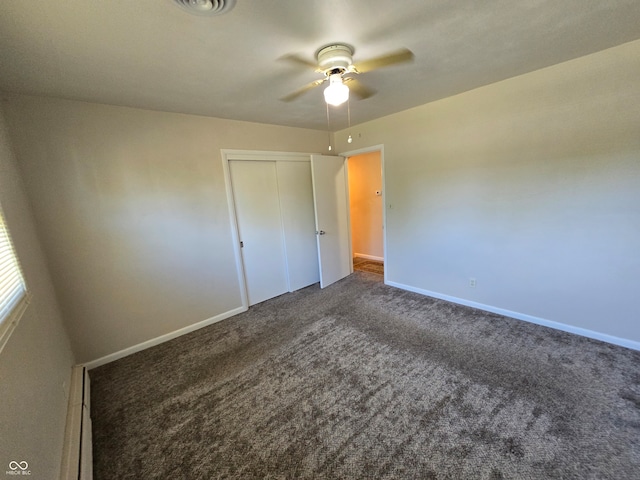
{"points": [[335, 62]]}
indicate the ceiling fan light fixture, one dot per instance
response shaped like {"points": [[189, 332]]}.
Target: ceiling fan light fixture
{"points": [[206, 7], [337, 92], [334, 56]]}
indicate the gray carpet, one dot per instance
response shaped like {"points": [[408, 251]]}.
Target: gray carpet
{"points": [[365, 381]]}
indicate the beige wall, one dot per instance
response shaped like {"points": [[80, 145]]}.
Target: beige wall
{"points": [[365, 178], [37, 358], [132, 210], [530, 185]]}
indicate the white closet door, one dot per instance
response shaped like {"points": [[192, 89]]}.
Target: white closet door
{"points": [[255, 192], [296, 203]]}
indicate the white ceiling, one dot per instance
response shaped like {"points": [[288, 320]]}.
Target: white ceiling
{"points": [[152, 54]]}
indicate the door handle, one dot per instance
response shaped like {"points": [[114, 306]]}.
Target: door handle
{"points": [[321, 232]]}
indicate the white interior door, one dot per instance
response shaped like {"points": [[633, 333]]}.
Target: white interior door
{"points": [[332, 217], [255, 192]]}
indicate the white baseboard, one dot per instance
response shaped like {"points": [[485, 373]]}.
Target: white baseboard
{"points": [[77, 458], [161, 339], [623, 342], [368, 257]]}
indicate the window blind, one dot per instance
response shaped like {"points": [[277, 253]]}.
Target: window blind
{"points": [[13, 290]]}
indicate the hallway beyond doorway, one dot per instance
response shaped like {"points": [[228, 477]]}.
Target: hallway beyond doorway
{"points": [[367, 265]]}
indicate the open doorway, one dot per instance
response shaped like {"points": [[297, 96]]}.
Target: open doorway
{"points": [[366, 211]]}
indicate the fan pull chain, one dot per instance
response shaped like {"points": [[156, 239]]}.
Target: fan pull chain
{"points": [[328, 127], [349, 138]]}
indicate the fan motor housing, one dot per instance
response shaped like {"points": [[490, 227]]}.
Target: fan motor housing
{"points": [[332, 57]]}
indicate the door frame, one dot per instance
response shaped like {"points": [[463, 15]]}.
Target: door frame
{"points": [[360, 151], [249, 155]]}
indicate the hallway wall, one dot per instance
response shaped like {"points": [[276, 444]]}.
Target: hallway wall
{"points": [[365, 178]]}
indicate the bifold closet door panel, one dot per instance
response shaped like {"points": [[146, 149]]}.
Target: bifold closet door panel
{"points": [[296, 203], [256, 198]]}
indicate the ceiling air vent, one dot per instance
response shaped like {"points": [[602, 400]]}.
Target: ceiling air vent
{"points": [[206, 7]]}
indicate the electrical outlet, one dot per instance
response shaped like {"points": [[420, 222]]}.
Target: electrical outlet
{"points": [[472, 282]]}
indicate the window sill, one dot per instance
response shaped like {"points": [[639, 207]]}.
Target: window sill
{"points": [[11, 322]]}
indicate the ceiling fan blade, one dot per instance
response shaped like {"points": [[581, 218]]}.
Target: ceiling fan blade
{"points": [[298, 60], [399, 56], [300, 91], [358, 88]]}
